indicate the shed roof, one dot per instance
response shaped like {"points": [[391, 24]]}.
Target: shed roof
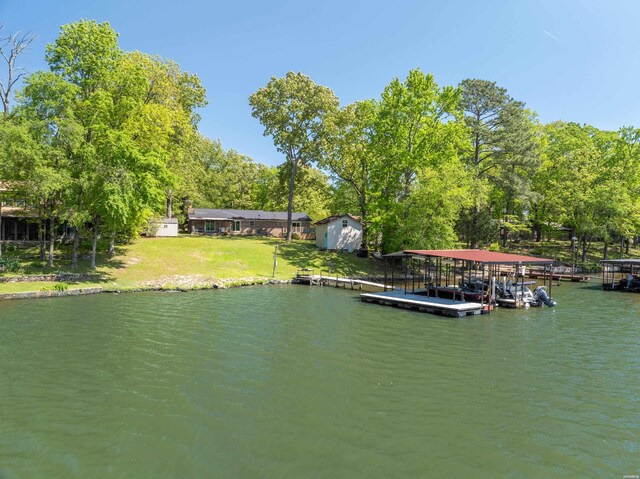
{"points": [[480, 256], [331, 218], [226, 214]]}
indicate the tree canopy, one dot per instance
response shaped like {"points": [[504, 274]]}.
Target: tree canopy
{"points": [[292, 110], [106, 139]]}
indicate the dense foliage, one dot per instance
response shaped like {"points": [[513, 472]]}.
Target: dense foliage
{"points": [[427, 167], [107, 139]]}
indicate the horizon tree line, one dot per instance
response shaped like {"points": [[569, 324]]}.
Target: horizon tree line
{"points": [[107, 139]]}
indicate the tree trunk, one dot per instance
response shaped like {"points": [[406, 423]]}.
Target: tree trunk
{"points": [[605, 253], [112, 243], [42, 235], [292, 182], [52, 240], [537, 229], [584, 248], [169, 202], [13, 45], [626, 250], [507, 214], [473, 239], [95, 243], [505, 235], [363, 220], [74, 252]]}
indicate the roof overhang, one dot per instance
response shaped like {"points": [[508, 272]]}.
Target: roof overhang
{"points": [[209, 218], [620, 261], [475, 255]]}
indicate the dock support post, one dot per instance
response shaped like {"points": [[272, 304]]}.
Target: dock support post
{"points": [[385, 274]]}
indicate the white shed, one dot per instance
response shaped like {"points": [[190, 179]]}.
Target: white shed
{"points": [[166, 227], [339, 232]]}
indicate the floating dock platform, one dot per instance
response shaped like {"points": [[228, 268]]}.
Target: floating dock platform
{"points": [[416, 302]]}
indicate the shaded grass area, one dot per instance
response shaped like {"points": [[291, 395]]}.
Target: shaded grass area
{"points": [[560, 251], [174, 261]]}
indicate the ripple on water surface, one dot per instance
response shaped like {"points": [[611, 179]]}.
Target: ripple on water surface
{"points": [[296, 381]]}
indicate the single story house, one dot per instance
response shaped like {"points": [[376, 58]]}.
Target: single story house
{"points": [[248, 222], [339, 232]]}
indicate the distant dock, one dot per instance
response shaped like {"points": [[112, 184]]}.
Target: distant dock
{"points": [[559, 274], [338, 282]]}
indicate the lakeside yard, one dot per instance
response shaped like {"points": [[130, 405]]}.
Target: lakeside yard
{"points": [[193, 261], [189, 262]]}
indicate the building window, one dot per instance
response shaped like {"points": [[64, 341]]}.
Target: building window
{"points": [[296, 227], [165, 226], [345, 223], [235, 227], [252, 223], [209, 226]]}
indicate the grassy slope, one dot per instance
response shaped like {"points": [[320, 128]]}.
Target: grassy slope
{"points": [[177, 261], [166, 260], [561, 251]]}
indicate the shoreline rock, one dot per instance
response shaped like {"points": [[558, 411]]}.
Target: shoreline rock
{"points": [[159, 286], [57, 277]]}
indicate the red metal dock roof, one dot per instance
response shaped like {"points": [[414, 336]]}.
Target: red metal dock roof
{"points": [[480, 256]]}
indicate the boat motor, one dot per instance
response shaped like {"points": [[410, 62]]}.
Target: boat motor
{"points": [[542, 296]]}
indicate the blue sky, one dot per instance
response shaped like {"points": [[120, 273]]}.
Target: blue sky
{"points": [[567, 60]]}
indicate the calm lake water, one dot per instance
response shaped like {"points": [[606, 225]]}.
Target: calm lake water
{"points": [[292, 381]]}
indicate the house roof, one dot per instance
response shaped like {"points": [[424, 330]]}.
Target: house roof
{"points": [[331, 218], [209, 214], [479, 256]]}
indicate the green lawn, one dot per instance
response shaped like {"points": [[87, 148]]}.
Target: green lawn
{"points": [[179, 261], [198, 261]]}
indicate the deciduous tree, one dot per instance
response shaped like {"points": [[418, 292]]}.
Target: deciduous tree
{"points": [[349, 154], [417, 172], [292, 110]]}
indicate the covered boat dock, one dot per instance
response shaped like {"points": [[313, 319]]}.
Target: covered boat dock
{"points": [[439, 281], [621, 274]]}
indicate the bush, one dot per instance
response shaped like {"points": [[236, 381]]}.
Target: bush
{"points": [[11, 264], [295, 236], [151, 228], [494, 247], [56, 287]]}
